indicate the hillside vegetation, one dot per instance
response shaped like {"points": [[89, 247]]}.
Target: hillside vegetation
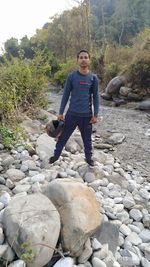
{"points": [[116, 32]]}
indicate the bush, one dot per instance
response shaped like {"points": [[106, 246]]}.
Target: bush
{"points": [[61, 75], [139, 70], [6, 137], [10, 135], [110, 71], [22, 84]]}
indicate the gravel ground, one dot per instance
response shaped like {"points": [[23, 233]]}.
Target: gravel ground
{"points": [[134, 124]]}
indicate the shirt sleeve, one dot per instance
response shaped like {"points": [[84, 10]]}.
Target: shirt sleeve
{"points": [[66, 94], [96, 96]]}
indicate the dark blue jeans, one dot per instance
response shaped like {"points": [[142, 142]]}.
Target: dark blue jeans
{"points": [[85, 127]]}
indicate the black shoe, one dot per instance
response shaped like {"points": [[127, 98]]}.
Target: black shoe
{"points": [[90, 162], [53, 159]]}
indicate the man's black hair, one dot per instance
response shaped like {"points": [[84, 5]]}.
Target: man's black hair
{"points": [[83, 50]]}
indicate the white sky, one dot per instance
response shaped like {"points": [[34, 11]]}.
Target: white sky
{"points": [[22, 17]]}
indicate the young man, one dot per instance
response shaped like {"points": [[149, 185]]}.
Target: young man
{"points": [[82, 88]]}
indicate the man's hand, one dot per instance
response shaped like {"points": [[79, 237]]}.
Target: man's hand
{"points": [[93, 120], [60, 117]]}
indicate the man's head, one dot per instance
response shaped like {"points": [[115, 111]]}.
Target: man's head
{"points": [[83, 58], [83, 51]]}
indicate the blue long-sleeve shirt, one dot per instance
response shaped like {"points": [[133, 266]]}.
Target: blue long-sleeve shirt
{"points": [[83, 91]]}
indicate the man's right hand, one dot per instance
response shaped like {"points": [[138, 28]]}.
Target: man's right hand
{"points": [[60, 117]]}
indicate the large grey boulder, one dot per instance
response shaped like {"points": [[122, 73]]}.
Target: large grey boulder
{"points": [[79, 212], [114, 85], [32, 226]]}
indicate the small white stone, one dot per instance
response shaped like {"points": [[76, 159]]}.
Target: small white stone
{"points": [[17, 263], [98, 263], [96, 244], [125, 230], [5, 198], [66, 262], [38, 178]]}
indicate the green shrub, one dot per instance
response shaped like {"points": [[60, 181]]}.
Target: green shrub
{"points": [[111, 70], [61, 75], [22, 85], [9, 136], [139, 70]]}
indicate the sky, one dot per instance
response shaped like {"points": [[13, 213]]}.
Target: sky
{"points": [[22, 17]]}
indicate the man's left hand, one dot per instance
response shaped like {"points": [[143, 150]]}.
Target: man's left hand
{"points": [[93, 120]]}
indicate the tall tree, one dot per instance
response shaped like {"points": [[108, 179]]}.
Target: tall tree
{"points": [[12, 47]]}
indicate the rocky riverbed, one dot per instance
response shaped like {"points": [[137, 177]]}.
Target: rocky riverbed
{"points": [[133, 124], [118, 182]]}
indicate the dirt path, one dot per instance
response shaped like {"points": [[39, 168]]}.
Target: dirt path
{"points": [[135, 149]]}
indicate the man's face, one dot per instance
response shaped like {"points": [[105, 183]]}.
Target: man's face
{"points": [[83, 60]]}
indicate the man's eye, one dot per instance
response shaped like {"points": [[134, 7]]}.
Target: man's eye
{"points": [[83, 57]]}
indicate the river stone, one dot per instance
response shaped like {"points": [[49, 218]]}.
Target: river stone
{"points": [[145, 235], [134, 239], [145, 262], [5, 198], [98, 263], [116, 138], [8, 160], [86, 253], [72, 146], [21, 188], [125, 230], [136, 214], [2, 180], [65, 262], [18, 263], [33, 220], [3, 249], [146, 220], [114, 85], [106, 96], [144, 105], [134, 97], [31, 126], [45, 146], [9, 254], [1, 236], [15, 174], [79, 212], [108, 233], [124, 91]]}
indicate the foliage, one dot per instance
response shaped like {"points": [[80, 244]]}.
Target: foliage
{"points": [[97, 22], [139, 70], [10, 135], [28, 253], [142, 40], [12, 47], [111, 70], [61, 75], [118, 20], [7, 137], [22, 84]]}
